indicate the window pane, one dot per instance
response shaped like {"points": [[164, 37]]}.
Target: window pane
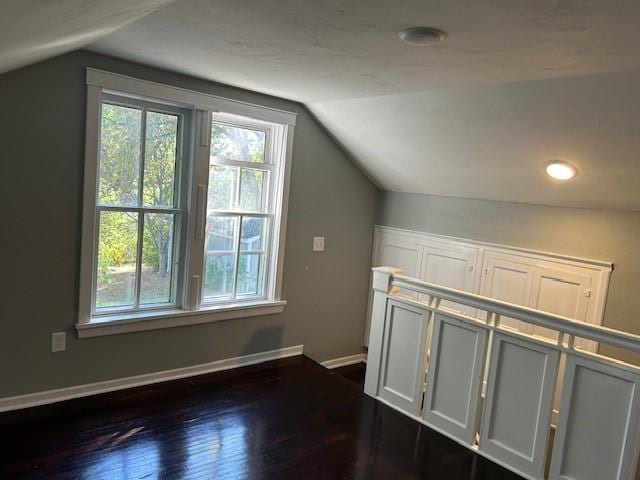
{"points": [[157, 250], [119, 155], [223, 182], [221, 234], [160, 159], [236, 143], [253, 233], [117, 248], [251, 189], [249, 274], [218, 275]]}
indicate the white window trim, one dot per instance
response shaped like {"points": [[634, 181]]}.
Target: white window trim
{"points": [[178, 210], [202, 105], [274, 143], [157, 319]]}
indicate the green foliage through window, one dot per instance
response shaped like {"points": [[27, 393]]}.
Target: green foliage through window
{"points": [[128, 133], [237, 187]]}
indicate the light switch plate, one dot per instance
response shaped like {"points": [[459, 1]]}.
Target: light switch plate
{"points": [[318, 244], [58, 342]]}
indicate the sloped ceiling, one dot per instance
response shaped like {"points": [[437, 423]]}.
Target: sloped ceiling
{"points": [[518, 82], [32, 30], [493, 142]]}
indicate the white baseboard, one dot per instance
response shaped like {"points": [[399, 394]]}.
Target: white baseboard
{"points": [[77, 391], [344, 361]]}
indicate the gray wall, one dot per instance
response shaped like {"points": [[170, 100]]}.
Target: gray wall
{"points": [[41, 140], [598, 234]]}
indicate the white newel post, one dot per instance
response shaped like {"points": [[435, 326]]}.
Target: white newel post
{"points": [[381, 284]]}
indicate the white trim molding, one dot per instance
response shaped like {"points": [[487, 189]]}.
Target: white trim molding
{"points": [[344, 361], [86, 390], [187, 304], [183, 97], [158, 319], [607, 264], [540, 279]]}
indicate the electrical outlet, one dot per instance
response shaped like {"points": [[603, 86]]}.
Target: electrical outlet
{"points": [[58, 342], [318, 244]]}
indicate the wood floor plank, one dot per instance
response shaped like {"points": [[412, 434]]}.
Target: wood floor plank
{"points": [[286, 419]]}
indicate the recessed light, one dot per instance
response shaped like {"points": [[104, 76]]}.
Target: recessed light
{"points": [[422, 36], [561, 170]]}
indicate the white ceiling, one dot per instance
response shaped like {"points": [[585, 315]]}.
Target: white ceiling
{"points": [[312, 50], [32, 30], [516, 83], [492, 142]]}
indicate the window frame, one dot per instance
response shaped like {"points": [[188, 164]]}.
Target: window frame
{"points": [[268, 211], [178, 210], [190, 207]]}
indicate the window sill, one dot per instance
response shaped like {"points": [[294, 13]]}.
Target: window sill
{"points": [[153, 320]]}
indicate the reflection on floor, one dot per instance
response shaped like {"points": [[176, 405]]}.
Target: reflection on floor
{"points": [[286, 419]]}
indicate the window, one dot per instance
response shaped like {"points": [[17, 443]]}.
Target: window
{"points": [[138, 208], [239, 209], [184, 206]]}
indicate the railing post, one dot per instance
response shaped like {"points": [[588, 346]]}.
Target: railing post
{"points": [[382, 278]]}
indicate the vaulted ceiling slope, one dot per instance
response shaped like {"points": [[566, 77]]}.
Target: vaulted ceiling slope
{"points": [[493, 142], [33, 30], [516, 83]]}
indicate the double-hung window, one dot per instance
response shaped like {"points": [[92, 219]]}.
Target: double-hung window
{"points": [[139, 212], [184, 206], [240, 209]]}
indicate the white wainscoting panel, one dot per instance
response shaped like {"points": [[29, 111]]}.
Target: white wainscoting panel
{"points": [[564, 285], [402, 358], [403, 253], [509, 281], [453, 266], [455, 376], [599, 419], [517, 413], [560, 293]]}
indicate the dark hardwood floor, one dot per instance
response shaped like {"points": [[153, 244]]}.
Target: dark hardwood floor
{"points": [[354, 373], [286, 419]]}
